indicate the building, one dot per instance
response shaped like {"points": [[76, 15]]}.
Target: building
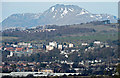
{"points": [[48, 47], [71, 45], [97, 42], [60, 47], [54, 44], [11, 54], [19, 49], [47, 70], [24, 44], [84, 44]]}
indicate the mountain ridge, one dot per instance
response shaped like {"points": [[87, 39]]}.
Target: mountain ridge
{"points": [[58, 14]]}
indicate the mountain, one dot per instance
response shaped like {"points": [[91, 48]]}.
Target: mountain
{"points": [[59, 14], [21, 20]]}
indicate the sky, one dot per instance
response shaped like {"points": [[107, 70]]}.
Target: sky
{"points": [[9, 8], [60, 0]]}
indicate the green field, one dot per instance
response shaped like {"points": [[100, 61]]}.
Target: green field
{"points": [[97, 36], [98, 27], [8, 38]]}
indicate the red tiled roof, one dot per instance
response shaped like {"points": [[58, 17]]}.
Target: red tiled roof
{"points": [[9, 48], [12, 50], [19, 49]]}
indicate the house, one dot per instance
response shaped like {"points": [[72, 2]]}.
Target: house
{"points": [[71, 45], [84, 44], [19, 49], [9, 48], [24, 44], [107, 46], [1, 48], [60, 47], [97, 42], [14, 45], [29, 50], [47, 70], [48, 47], [11, 54], [66, 56], [54, 44], [73, 50]]}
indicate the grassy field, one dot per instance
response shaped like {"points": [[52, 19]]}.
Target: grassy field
{"points": [[98, 27], [8, 38], [97, 36]]}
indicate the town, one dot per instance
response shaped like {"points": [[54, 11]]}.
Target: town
{"points": [[69, 51], [86, 49]]}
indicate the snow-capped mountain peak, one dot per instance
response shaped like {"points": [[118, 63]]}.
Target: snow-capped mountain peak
{"points": [[58, 14]]}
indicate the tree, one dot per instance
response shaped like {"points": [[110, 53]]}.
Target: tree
{"points": [[30, 76], [118, 68]]}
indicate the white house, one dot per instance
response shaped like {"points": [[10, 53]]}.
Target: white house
{"points": [[84, 44], [71, 45], [97, 42], [60, 47], [54, 44], [48, 47]]}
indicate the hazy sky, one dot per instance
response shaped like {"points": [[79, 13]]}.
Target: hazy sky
{"points": [[9, 8]]}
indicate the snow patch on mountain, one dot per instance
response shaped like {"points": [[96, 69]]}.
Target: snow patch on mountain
{"points": [[108, 16], [61, 9], [64, 12], [53, 8], [83, 11], [98, 16], [55, 14], [71, 9], [92, 16]]}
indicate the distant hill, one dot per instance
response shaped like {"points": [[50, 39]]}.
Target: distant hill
{"points": [[58, 14]]}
